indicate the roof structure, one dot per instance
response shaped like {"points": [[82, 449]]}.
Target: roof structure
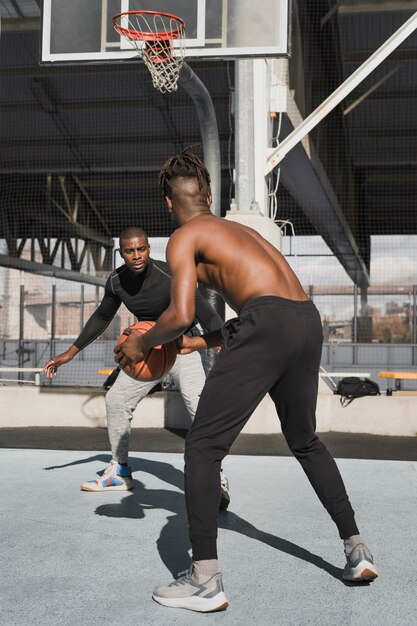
{"points": [[77, 146]]}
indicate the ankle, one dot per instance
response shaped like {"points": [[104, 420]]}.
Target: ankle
{"points": [[204, 570], [351, 542]]}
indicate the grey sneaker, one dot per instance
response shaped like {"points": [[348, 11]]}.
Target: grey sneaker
{"points": [[186, 593], [115, 478], [224, 491], [360, 565]]}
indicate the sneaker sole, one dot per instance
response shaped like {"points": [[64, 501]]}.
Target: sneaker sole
{"points": [[193, 603], [363, 571], [113, 488]]}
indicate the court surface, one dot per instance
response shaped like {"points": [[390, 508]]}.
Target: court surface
{"points": [[70, 557]]}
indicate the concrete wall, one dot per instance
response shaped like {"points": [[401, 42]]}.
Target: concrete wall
{"points": [[36, 406]]}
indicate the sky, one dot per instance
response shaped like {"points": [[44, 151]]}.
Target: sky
{"points": [[393, 261]]}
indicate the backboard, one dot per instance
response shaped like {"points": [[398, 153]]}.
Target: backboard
{"points": [[82, 31]]}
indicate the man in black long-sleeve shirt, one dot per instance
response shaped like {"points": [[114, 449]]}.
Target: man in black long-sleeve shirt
{"points": [[143, 285]]}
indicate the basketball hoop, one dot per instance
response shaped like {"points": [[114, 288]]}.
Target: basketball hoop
{"points": [[153, 33]]}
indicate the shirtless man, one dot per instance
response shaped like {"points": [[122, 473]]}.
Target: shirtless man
{"points": [[278, 331]]}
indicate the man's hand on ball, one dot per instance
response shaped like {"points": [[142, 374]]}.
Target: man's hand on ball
{"points": [[130, 351]]}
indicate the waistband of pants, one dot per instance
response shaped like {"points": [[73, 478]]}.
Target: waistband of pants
{"points": [[277, 301]]}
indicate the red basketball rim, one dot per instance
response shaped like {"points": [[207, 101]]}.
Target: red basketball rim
{"points": [[143, 35]]}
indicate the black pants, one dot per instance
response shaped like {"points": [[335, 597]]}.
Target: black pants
{"points": [[274, 347]]}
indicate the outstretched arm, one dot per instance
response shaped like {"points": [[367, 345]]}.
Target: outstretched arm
{"points": [[50, 368], [93, 328]]}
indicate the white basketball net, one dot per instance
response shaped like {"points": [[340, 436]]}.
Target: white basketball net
{"points": [[153, 36]]}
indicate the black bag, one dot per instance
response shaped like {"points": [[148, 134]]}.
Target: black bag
{"points": [[353, 387]]}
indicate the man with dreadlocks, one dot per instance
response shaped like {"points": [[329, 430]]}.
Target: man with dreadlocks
{"points": [[278, 330]]}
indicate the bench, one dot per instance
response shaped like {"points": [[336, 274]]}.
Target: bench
{"points": [[397, 377], [107, 371], [37, 371]]}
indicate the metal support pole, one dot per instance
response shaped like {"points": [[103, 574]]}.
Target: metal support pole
{"points": [[21, 323], [82, 308], [364, 302], [53, 318], [82, 304], [20, 351], [341, 93], [211, 149], [355, 323], [245, 180], [368, 92], [414, 324], [208, 128]]}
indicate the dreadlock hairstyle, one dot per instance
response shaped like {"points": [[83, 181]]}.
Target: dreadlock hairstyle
{"points": [[183, 165]]}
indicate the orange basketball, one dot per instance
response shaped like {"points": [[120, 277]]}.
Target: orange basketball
{"points": [[157, 362]]}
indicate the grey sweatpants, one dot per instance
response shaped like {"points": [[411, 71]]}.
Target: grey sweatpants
{"points": [[126, 393]]}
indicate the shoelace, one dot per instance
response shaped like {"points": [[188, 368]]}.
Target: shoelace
{"points": [[184, 578], [109, 470]]}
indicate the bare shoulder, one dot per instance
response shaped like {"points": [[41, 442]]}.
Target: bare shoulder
{"points": [[199, 226], [182, 239], [251, 231], [182, 234], [203, 229]]}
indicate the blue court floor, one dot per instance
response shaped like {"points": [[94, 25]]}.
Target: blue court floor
{"points": [[75, 558]]}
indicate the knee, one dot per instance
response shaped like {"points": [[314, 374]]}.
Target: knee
{"points": [[191, 405], [116, 404], [192, 450], [197, 447], [303, 446], [204, 449]]}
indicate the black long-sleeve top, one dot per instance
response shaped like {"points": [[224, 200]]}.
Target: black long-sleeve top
{"points": [[146, 295]]}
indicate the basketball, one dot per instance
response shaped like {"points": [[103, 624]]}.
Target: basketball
{"points": [[157, 362]]}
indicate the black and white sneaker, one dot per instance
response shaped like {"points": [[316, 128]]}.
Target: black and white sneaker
{"points": [[360, 565]]}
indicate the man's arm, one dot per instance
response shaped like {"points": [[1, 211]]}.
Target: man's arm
{"points": [[180, 313], [94, 327], [199, 342], [100, 319]]}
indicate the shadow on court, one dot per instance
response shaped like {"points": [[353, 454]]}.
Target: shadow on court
{"points": [[75, 558], [173, 545]]}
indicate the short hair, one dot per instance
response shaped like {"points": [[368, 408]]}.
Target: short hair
{"points": [[185, 164], [132, 231]]}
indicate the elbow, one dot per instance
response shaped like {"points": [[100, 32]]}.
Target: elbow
{"points": [[181, 316], [184, 322], [184, 319]]}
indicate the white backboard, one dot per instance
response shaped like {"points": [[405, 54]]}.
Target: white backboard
{"points": [[82, 30]]}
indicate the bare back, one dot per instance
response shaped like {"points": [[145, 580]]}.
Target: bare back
{"points": [[235, 261]]}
